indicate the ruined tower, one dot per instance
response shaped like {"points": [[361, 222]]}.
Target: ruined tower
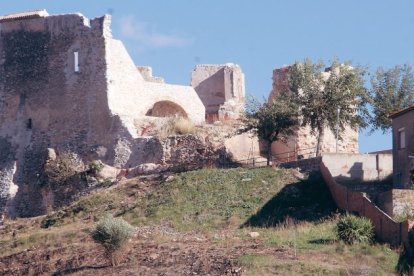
{"points": [[303, 143], [221, 89]]}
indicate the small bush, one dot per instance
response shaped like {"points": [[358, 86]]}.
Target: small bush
{"points": [[352, 229], [176, 126], [113, 234], [47, 222], [95, 167]]}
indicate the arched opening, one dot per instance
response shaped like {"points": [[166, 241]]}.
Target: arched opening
{"points": [[166, 109]]}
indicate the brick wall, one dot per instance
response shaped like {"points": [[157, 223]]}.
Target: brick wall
{"points": [[386, 229]]}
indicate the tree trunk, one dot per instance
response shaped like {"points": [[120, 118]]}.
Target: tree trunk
{"points": [[269, 152], [321, 136]]}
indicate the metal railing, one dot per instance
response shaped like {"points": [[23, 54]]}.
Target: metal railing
{"points": [[293, 155], [277, 159]]}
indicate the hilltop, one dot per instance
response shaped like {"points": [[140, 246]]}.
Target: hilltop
{"points": [[210, 221]]}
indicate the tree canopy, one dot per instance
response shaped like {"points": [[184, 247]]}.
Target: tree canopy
{"points": [[271, 121], [322, 94], [391, 90]]}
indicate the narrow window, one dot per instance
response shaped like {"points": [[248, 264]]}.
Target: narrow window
{"points": [[76, 61], [29, 123], [401, 138]]}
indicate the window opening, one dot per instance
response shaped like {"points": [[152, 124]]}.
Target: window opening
{"points": [[401, 138], [76, 61], [29, 123]]}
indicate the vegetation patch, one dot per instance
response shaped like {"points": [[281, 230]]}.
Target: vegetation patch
{"points": [[303, 200], [113, 234], [176, 126], [352, 229], [211, 198], [211, 221]]}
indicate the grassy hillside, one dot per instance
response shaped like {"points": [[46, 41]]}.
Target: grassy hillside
{"points": [[210, 199], [199, 222]]}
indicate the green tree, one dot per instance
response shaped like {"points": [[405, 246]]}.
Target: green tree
{"points": [[391, 91], [274, 121], [322, 94]]}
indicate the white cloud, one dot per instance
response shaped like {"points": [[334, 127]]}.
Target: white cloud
{"points": [[148, 37]]}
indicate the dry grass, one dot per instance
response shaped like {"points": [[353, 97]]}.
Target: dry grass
{"points": [[176, 126], [314, 249]]}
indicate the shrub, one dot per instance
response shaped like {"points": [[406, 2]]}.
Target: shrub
{"points": [[176, 126], [352, 229], [48, 222], [113, 234], [95, 167]]}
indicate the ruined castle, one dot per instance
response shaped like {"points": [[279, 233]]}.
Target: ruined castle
{"points": [[67, 85]]}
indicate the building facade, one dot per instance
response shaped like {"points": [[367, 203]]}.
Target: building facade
{"points": [[403, 148]]}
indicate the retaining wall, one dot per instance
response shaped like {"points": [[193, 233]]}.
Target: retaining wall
{"points": [[386, 229], [305, 165], [361, 167]]}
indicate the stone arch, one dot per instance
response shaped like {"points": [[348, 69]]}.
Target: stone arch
{"points": [[166, 109]]}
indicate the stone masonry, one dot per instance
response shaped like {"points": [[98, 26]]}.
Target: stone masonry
{"points": [[146, 73], [221, 89], [66, 84], [304, 143]]}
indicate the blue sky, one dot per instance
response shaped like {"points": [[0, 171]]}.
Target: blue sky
{"points": [[174, 36]]}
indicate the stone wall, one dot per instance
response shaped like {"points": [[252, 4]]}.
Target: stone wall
{"points": [[304, 140], [66, 84], [44, 102], [221, 89], [358, 167], [242, 146], [146, 73], [131, 97], [397, 202], [304, 165]]}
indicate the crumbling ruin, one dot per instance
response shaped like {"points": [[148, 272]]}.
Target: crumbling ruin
{"points": [[66, 84], [303, 144], [221, 89]]}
